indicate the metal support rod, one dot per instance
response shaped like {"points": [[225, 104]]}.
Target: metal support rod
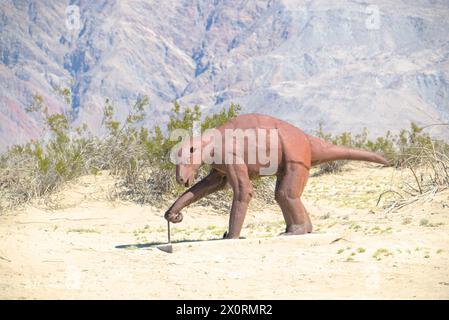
{"points": [[168, 230]]}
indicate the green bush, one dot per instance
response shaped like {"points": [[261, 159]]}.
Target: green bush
{"points": [[407, 149], [153, 180]]}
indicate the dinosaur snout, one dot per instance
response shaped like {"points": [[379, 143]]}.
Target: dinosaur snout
{"points": [[186, 182], [180, 180]]}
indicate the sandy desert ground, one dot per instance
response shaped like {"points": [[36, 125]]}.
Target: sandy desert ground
{"points": [[87, 246]]}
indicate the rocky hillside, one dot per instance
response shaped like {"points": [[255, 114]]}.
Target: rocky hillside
{"points": [[348, 64]]}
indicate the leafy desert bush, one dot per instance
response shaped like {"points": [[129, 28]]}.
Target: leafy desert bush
{"points": [[407, 149], [153, 181], [39, 167]]}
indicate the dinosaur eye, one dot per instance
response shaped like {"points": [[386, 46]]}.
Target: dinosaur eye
{"points": [[191, 149]]}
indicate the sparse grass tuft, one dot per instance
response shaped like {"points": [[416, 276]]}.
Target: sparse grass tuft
{"points": [[325, 216], [382, 252], [407, 220], [427, 223]]}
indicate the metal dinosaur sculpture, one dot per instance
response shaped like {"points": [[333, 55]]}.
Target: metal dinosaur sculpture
{"points": [[295, 153]]}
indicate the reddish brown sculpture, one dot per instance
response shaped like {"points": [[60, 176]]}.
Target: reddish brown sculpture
{"points": [[296, 151]]}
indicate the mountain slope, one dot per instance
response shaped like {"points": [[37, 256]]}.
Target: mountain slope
{"points": [[303, 61]]}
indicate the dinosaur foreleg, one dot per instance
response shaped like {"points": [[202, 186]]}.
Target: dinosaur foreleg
{"points": [[211, 183], [239, 180], [289, 187]]}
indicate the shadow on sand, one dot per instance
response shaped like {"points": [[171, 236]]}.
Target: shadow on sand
{"points": [[155, 244]]}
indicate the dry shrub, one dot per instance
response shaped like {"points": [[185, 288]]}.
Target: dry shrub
{"points": [[429, 166]]}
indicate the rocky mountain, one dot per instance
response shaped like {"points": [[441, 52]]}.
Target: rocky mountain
{"points": [[348, 64]]}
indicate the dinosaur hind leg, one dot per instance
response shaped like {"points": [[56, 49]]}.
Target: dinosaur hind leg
{"points": [[289, 187]]}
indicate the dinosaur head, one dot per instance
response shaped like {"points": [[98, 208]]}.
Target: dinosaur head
{"points": [[189, 161]]}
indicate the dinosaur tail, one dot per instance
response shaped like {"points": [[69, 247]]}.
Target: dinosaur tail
{"points": [[323, 151]]}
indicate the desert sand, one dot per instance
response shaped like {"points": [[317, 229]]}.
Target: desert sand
{"points": [[84, 245]]}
